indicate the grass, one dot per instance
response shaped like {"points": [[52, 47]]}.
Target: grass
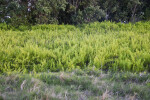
{"points": [[86, 84], [106, 45]]}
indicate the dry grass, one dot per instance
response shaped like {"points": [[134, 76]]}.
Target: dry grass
{"points": [[76, 85]]}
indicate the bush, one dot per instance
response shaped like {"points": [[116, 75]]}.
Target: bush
{"points": [[106, 45]]}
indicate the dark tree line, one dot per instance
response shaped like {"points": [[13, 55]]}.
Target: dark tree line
{"points": [[19, 12]]}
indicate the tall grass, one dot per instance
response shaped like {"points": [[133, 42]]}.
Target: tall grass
{"points": [[106, 45]]}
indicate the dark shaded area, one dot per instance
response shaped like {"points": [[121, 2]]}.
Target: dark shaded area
{"points": [[25, 12]]}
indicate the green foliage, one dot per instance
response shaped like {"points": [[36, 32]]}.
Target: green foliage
{"points": [[106, 45], [147, 13], [89, 14], [72, 11], [47, 11]]}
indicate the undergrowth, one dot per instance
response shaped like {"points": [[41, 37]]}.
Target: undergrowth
{"points": [[46, 48]]}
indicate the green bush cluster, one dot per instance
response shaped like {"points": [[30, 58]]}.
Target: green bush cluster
{"points": [[106, 45]]}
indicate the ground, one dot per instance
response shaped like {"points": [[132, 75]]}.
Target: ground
{"points": [[75, 85]]}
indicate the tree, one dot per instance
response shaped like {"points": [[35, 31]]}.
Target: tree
{"points": [[133, 6], [110, 7], [18, 12], [47, 11], [82, 11], [146, 9]]}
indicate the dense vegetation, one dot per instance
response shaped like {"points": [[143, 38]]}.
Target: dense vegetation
{"points": [[106, 45], [44, 57], [17, 12]]}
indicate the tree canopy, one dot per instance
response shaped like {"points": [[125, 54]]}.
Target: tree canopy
{"points": [[19, 12]]}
